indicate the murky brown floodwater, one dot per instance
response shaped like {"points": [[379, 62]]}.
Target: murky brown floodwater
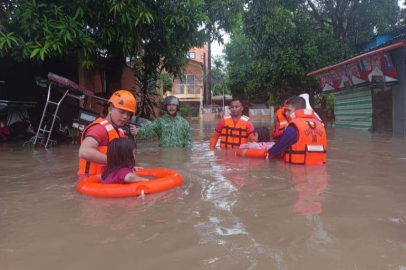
{"points": [[230, 213]]}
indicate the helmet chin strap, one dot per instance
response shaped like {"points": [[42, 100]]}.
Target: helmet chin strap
{"points": [[111, 121]]}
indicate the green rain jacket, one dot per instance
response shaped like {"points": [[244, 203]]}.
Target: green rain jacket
{"points": [[171, 133]]}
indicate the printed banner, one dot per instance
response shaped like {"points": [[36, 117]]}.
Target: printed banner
{"points": [[377, 68]]}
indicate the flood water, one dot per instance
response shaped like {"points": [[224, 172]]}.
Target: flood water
{"points": [[230, 212]]}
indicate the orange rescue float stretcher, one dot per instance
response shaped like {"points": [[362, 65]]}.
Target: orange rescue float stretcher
{"points": [[165, 180], [252, 153]]}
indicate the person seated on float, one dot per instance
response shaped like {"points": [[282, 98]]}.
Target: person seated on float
{"points": [[233, 129], [281, 123], [97, 135], [262, 138], [304, 140], [172, 129], [120, 163]]}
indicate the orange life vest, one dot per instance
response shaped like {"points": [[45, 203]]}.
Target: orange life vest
{"points": [[311, 147], [280, 125], [91, 168], [234, 135]]}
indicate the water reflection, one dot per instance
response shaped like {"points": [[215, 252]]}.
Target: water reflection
{"points": [[309, 182]]}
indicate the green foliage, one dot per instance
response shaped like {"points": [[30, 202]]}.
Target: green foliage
{"points": [[327, 100], [185, 110], [169, 38], [105, 33], [73, 133], [219, 78], [220, 15], [279, 42], [166, 81], [354, 21], [270, 55]]}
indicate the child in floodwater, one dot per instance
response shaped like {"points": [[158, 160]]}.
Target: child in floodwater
{"points": [[120, 163], [262, 137]]}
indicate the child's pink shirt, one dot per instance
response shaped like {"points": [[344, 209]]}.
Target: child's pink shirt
{"points": [[118, 178]]}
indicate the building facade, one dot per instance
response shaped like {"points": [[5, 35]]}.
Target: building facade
{"points": [[190, 88]]}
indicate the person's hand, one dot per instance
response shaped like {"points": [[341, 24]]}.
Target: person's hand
{"points": [[135, 169], [133, 130]]}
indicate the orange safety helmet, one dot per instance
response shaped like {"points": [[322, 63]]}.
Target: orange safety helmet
{"points": [[125, 100]]}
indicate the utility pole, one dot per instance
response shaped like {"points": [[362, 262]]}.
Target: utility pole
{"points": [[208, 100], [204, 80]]}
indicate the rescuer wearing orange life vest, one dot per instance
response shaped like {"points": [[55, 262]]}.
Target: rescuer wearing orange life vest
{"points": [[281, 123], [304, 140], [233, 129], [97, 135]]}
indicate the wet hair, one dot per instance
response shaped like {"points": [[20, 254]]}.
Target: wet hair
{"points": [[264, 135], [237, 99], [297, 102], [119, 155]]}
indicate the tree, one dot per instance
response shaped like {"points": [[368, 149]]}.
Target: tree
{"points": [[166, 81], [355, 21], [105, 33], [279, 42], [170, 36], [219, 78], [222, 15], [270, 55]]}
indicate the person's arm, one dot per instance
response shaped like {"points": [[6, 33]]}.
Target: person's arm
{"points": [[148, 132], [251, 137], [132, 178], [88, 151], [214, 139], [217, 133], [250, 131], [288, 138]]}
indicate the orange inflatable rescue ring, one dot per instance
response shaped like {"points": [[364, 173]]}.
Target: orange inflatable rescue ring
{"points": [[166, 179], [253, 153]]}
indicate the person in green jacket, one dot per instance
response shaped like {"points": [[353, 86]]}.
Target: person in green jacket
{"points": [[171, 129]]}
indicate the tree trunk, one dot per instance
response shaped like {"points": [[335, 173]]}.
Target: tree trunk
{"points": [[114, 70], [208, 100]]}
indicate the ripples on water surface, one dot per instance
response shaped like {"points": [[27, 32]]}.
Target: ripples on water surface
{"points": [[230, 213]]}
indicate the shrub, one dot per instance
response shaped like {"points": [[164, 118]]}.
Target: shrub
{"points": [[185, 110]]}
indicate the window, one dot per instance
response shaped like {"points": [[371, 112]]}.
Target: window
{"points": [[180, 89], [191, 89], [186, 85], [190, 79], [191, 55]]}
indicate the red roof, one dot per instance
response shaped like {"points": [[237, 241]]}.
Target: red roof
{"points": [[195, 62]]}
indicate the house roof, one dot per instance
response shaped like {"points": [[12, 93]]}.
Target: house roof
{"points": [[195, 62]]}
